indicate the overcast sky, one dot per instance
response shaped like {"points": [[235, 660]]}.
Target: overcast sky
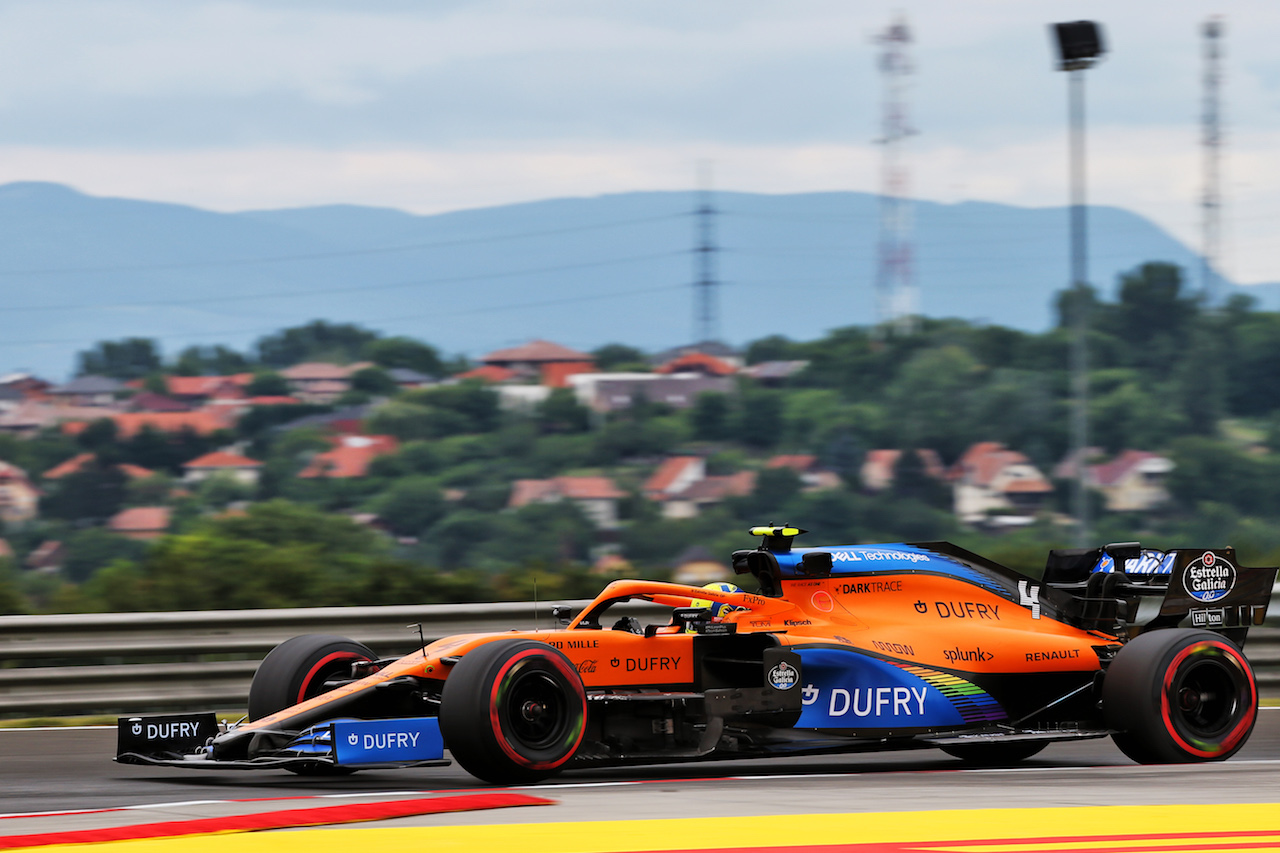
{"points": [[434, 105]]}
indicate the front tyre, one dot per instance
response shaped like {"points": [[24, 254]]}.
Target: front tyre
{"points": [[297, 669], [513, 711], [1180, 695]]}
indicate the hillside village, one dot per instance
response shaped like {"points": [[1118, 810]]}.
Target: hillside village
{"points": [[358, 438]]}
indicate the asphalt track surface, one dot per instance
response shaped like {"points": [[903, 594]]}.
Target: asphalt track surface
{"points": [[70, 771]]}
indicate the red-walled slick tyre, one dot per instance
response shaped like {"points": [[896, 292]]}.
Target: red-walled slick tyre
{"points": [[1180, 695], [297, 669], [513, 711]]}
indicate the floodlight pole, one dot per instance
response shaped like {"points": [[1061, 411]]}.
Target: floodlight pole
{"points": [[1079, 46], [1080, 321]]}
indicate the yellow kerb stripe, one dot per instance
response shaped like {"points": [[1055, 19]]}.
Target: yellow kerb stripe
{"points": [[932, 830]]}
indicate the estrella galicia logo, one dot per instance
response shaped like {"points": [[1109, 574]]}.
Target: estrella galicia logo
{"points": [[1209, 577], [783, 676]]}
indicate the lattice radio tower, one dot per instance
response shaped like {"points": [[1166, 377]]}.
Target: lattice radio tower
{"points": [[1211, 140], [706, 320], [896, 299]]}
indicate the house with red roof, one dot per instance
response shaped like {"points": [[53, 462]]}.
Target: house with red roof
{"points": [[683, 488], [675, 474], [545, 362], [129, 424], [201, 389], [993, 484], [242, 469], [76, 464], [597, 497], [19, 499], [709, 491], [350, 457], [611, 392], [29, 386], [47, 557], [141, 522], [320, 382], [1135, 481], [489, 373], [149, 401], [812, 475], [878, 467], [697, 362]]}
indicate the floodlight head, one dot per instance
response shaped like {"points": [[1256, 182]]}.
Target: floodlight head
{"points": [[1079, 44]]}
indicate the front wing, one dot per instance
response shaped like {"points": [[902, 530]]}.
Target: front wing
{"points": [[183, 740]]}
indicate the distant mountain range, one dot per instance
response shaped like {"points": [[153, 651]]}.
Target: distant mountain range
{"points": [[78, 269]]}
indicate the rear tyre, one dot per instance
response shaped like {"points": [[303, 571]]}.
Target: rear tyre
{"points": [[513, 711], [1180, 695], [994, 754], [296, 670]]}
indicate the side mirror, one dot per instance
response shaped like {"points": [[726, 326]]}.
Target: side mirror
{"points": [[562, 613], [1122, 552], [816, 563]]}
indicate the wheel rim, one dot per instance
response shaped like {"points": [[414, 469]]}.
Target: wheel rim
{"points": [[1205, 699], [1208, 699], [536, 710]]}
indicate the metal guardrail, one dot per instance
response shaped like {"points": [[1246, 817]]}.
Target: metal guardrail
{"points": [[136, 662]]}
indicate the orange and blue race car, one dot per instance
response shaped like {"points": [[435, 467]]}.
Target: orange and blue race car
{"points": [[835, 649]]}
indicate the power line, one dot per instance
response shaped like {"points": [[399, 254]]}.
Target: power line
{"points": [[342, 253], [508, 306], [310, 293]]}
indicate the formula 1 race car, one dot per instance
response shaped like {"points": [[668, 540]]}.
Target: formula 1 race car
{"points": [[839, 649]]}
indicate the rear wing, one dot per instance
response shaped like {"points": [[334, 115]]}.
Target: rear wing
{"points": [[1104, 589]]}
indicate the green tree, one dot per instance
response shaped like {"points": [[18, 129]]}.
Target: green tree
{"points": [[410, 505], [562, 413], [931, 399], [216, 360], [405, 352], [267, 383], [772, 497], [616, 357], [339, 343], [375, 381], [710, 417], [759, 418], [774, 348], [12, 601], [276, 555], [98, 434], [913, 480], [131, 358], [94, 493], [91, 549]]}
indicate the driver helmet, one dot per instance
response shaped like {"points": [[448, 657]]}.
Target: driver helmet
{"points": [[718, 609]]}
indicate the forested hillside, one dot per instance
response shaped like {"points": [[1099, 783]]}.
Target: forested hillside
{"points": [[434, 521]]}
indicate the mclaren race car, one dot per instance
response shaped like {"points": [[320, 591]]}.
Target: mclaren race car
{"points": [[835, 649]]}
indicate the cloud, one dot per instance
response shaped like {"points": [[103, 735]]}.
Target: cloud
{"points": [[445, 105]]}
